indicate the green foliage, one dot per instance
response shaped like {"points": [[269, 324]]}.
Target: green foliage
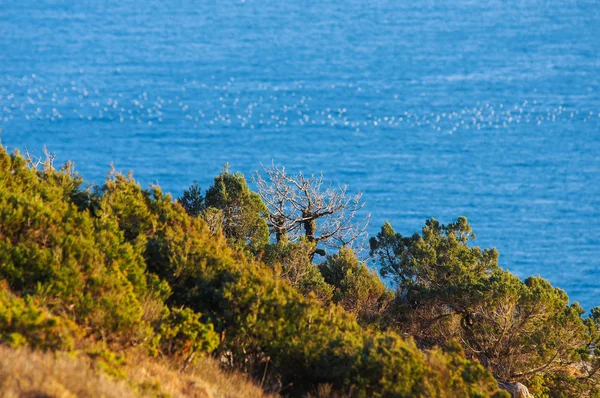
{"points": [[564, 384], [57, 253], [521, 331], [464, 375], [291, 261], [184, 334], [192, 200], [262, 320], [22, 322], [438, 263], [357, 289], [129, 266], [244, 213], [107, 361]]}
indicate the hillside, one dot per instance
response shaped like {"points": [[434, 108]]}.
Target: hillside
{"points": [[130, 290]]}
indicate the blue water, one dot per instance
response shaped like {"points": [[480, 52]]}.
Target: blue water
{"points": [[432, 108]]}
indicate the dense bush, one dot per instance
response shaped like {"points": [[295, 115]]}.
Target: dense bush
{"points": [[230, 207], [265, 322], [117, 265], [130, 266], [525, 331], [184, 334], [357, 289], [23, 322], [291, 261], [73, 263]]}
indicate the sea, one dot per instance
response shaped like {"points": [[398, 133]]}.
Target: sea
{"points": [[447, 108]]}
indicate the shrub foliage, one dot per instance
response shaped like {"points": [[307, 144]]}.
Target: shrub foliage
{"points": [[119, 265]]}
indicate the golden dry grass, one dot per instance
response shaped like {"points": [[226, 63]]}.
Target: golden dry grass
{"points": [[27, 374], [202, 379], [34, 374]]}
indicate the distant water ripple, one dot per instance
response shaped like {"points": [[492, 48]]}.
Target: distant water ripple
{"points": [[435, 108], [227, 104]]}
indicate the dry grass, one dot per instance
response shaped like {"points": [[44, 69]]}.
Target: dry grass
{"points": [[33, 374], [27, 374], [203, 379]]}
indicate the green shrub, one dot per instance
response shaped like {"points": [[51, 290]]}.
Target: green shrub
{"points": [[264, 320], [244, 213], [524, 331], [183, 334], [52, 250], [115, 258], [22, 322], [357, 289], [192, 200], [291, 261]]}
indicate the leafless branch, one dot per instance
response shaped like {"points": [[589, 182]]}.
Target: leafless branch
{"points": [[35, 162], [301, 205]]}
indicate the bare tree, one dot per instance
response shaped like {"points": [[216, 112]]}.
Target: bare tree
{"points": [[302, 205], [35, 162]]}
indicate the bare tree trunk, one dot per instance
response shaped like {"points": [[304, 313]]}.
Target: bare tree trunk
{"points": [[310, 227]]}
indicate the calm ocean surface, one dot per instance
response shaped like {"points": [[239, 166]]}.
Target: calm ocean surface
{"points": [[432, 108]]}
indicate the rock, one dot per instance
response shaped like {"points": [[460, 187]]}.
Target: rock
{"points": [[516, 390]]}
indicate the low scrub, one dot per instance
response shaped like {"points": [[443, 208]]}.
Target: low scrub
{"points": [[151, 296]]}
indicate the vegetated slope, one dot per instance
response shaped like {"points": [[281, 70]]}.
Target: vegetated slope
{"points": [[106, 269]]}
